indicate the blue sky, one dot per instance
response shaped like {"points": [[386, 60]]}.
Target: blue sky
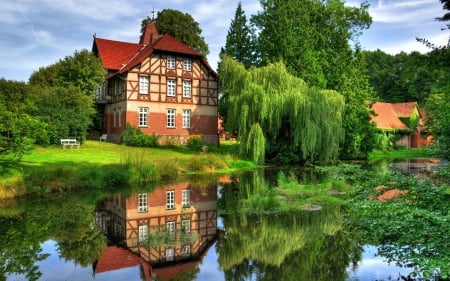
{"points": [[36, 33]]}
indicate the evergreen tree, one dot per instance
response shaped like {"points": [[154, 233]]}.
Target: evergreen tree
{"points": [[240, 41]]}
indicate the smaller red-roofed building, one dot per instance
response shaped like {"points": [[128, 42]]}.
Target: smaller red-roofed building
{"points": [[159, 85], [404, 120]]}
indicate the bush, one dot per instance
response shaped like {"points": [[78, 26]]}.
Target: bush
{"points": [[194, 142], [133, 136]]}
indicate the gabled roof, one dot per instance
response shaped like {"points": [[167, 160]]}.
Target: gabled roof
{"points": [[404, 109], [387, 118], [114, 54], [119, 57]]}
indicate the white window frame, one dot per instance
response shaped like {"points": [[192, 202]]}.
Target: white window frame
{"points": [[186, 226], [187, 64], [186, 251], [143, 233], [171, 62], [187, 89], [143, 85], [143, 117], [171, 87], [186, 118], [171, 229], [170, 199], [186, 198], [170, 254], [171, 114], [142, 202]]}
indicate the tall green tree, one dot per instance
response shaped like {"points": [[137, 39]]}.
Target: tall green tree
{"points": [[278, 115], [181, 26], [240, 46], [82, 71], [63, 93], [18, 128], [240, 40], [312, 37]]}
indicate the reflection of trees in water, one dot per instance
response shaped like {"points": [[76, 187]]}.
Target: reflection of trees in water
{"points": [[66, 219], [280, 245], [286, 246]]}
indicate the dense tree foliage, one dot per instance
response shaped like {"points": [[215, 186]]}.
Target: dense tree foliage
{"points": [[63, 94], [18, 128], [408, 77], [438, 116], [279, 115], [181, 26], [82, 71], [312, 38]]}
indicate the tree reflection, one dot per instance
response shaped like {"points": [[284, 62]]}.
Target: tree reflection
{"points": [[69, 220], [270, 245]]}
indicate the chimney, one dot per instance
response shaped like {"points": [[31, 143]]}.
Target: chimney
{"points": [[150, 34]]}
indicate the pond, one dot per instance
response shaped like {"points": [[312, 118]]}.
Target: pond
{"points": [[189, 230]]}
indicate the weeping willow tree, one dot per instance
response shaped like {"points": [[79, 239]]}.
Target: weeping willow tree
{"points": [[277, 114]]}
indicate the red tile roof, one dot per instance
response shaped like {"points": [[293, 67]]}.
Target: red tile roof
{"points": [[114, 258], [404, 109], [387, 118], [114, 54], [120, 57]]}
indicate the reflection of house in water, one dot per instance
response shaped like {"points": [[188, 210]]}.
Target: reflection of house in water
{"points": [[170, 226], [419, 166]]}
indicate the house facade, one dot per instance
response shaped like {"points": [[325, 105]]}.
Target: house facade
{"points": [[182, 215], [159, 85], [404, 119]]}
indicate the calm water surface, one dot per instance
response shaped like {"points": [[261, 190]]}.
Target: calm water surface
{"points": [[183, 231]]}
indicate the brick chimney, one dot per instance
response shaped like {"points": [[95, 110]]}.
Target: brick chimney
{"points": [[150, 34]]}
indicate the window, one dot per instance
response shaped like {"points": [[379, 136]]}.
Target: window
{"points": [[170, 118], [143, 233], [186, 198], [143, 116], [142, 203], [170, 254], [119, 114], [117, 87], [187, 64], [186, 252], [171, 230], [187, 89], [186, 118], [114, 118], [143, 85], [171, 88], [170, 199], [186, 226], [170, 62]]}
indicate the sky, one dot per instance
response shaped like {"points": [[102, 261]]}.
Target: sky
{"points": [[38, 33]]}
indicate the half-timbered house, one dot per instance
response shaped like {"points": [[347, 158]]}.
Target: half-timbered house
{"points": [[160, 85], [180, 220]]}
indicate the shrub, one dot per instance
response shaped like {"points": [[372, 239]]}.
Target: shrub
{"points": [[194, 142], [133, 136]]}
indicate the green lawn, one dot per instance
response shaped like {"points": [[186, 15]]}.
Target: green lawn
{"points": [[95, 152], [405, 153]]}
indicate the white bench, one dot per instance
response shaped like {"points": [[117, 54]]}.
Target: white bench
{"points": [[70, 142], [103, 137]]}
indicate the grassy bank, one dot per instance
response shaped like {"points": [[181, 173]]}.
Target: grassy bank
{"points": [[405, 153], [106, 165]]}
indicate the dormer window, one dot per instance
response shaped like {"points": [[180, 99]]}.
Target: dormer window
{"points": [[170, 62], [187, 64]]}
